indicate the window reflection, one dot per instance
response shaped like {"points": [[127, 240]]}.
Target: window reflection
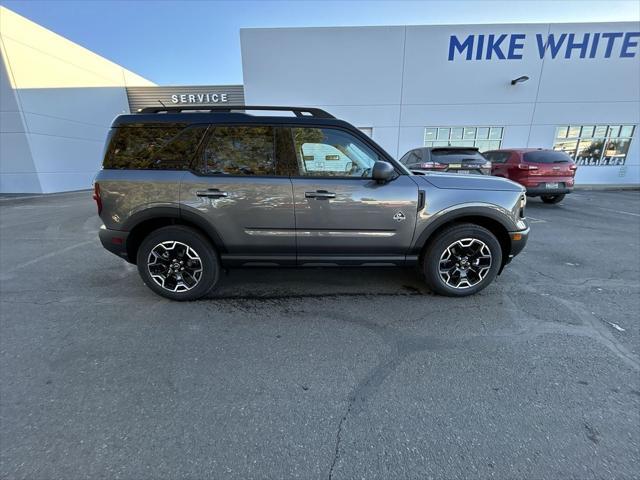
{"points": [[599, 145], [331, 152], [240, 151], [589, 151], [153, 146]]}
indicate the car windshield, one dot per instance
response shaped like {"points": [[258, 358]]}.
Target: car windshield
{"points": [[546, 156], [456, 155]]}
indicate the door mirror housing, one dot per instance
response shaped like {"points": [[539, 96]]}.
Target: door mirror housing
{"points": [[383, 172]]}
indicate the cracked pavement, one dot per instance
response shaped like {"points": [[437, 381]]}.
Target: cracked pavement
{"points": [[321, 373]]}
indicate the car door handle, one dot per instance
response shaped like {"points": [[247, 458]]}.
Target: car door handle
{"points": [[320, 194], [211, 193]]}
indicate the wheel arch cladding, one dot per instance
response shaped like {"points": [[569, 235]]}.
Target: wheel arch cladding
{"points": [[150, 223], [496, 227]]}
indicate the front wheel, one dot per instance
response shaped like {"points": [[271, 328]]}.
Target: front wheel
{"points": [[462, 260], [177, 262], [552, 198]]}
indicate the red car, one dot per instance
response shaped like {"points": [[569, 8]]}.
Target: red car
{"points": [[548, 174]]}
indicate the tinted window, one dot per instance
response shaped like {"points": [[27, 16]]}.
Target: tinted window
{"points": [[453, 155], [497, 157], [412, 157], [240, 151], [546, 156], [331, 152], [165, 147]]}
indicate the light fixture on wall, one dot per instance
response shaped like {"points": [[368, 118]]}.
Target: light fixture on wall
{"points": [[521, 79]]}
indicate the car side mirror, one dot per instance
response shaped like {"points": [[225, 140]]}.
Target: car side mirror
{"points": [[382, 172]]}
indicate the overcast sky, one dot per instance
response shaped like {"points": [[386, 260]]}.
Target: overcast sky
{"points": [[174, 43]]}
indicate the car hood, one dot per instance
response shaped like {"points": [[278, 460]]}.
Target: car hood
{"points": [[469, 182]]}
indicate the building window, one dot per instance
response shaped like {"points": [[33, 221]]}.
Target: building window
{"points": [[485, 138], [595, 145]]}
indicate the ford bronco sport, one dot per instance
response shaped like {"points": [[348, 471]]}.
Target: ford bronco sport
{"points": [[187, 191]]}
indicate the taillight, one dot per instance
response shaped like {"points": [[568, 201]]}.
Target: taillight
{"points": [[573, 167], [526, 166], [96, 196], [436, 165]]}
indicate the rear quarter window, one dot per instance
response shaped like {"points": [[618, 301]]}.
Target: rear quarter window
{"points": [[159, 147], [546, 156]]}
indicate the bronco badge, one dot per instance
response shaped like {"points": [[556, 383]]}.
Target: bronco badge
{"points": [[398, 217]]}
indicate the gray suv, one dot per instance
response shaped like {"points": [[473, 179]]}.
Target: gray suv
{"points": [[187, 191]]}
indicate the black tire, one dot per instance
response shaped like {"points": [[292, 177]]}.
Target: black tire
{"points": [[208, 262], [446, 238], [552, 198]]}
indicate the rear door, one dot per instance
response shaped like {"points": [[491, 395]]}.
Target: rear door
{"points": [[342, 214], [240, 189]]}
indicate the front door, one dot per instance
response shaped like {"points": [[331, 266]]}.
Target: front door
{"points": [[242, 194], [342, 214]]}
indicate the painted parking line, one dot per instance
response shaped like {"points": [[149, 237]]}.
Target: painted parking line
{"points": [[616, 211]]}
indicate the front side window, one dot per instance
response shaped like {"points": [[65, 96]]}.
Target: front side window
{"points": [[159, 147], [595, 145], [332, 152], [245, 150]]}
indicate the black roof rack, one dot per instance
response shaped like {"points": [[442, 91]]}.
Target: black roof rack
{"points": [[298, 111]]}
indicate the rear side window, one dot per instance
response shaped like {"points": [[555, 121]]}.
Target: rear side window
{"points": [[546, 156], [497, 157], [160, 147], [243, 150], [413, 157]]}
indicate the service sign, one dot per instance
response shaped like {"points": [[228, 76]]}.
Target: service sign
{"points": [[509, 46], [199, 98]]}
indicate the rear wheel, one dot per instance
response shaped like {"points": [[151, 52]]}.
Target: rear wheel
{"points": [[552, 198], [177, 262], [462, 260]]}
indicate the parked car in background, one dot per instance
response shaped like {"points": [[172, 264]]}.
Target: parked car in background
{"points": [[548, 174], [446, 159]]}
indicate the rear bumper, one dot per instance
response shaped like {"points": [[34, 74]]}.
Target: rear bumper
{"points": [[115, 241], [535, 191], [460, 171]]}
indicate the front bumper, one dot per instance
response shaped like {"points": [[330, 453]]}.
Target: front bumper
{"points": [[517, 241], [115, 241]]}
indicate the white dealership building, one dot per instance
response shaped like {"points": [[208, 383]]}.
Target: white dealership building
{"points": [[574, 87]]}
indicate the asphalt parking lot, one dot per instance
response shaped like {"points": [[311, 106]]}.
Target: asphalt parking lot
{"points": [[349, 373]]}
